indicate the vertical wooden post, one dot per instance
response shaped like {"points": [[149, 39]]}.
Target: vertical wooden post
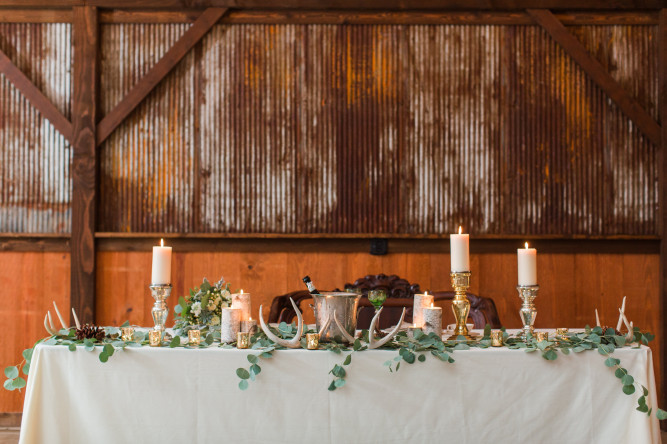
{"points": [[662, 100], [84, 164]]}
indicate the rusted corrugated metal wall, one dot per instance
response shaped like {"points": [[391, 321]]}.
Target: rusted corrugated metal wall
{"points": [[35, 183], [345, 129]]}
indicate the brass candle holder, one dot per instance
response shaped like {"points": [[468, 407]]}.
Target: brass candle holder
{"points": [[460, 304], [497, 338], [127, 333], [528, 312], [160, 293], [541, 336], [312, 341], [194, 337]]}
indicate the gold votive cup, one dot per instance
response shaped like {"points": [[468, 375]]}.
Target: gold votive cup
{"points": [[541, 336], [194, 337], [562, 331], [312, 341], [242, 339], [155, 338], [497, 339], [126, 333]]}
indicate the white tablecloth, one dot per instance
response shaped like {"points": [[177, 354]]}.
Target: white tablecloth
{"points": [[161, 395]]}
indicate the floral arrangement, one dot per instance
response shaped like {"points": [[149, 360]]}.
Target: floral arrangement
{"points": [[203, 306]]}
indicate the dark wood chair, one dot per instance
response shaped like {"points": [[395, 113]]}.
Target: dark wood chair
{"points": [[400, 293]]}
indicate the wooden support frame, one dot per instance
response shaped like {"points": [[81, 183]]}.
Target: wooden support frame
{"points": [[630, 107], [84, 164], [35, 96], [163, 67], [662, 102]]}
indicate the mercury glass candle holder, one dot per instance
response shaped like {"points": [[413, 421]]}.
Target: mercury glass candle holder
{"points": [[194, 337], [497, 338], [160, 293], [127, 333], [541, 336], [312, 341], [460, 304], [528, 312], [155, 338], [242, 340]]}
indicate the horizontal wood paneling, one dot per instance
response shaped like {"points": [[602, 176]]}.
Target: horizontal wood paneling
{"points": [[572, 286], [30, 281]]}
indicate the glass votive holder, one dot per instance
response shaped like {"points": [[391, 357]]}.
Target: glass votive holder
{"points": [[194, 337], [249, 326], [242, 339], [497, 339], [312, 341], [562, 331], [412, 330], [126, 333], [541, 336], [155, 338]]}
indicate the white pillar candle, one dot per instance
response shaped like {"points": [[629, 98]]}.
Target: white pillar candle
{"points": [[161, 273], [432, 320], [459, 251], [230, 324], [527, 262], [242, 302], [421, 301]]}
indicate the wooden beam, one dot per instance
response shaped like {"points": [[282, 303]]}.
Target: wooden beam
{"points": [[356, 4], [84, 164], [627, 104], [139, 92], [377, 18], [662, 215], [35, 15], [34, 243], [35, 96]]}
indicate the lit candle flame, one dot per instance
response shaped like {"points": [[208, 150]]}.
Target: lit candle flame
{"points": [[431, 304], [460, 229], [162, 242], [426, 293], [242, 291], [414, 325], [526, 245]]}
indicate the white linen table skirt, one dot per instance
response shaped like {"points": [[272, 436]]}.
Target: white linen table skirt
{"points": [[162, 395]]}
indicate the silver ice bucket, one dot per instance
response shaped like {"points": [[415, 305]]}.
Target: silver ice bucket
{"points": [[344, 305]]}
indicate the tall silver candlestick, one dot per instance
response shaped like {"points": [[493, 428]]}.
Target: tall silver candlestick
{"points": [[528, 312], [160, 293]]}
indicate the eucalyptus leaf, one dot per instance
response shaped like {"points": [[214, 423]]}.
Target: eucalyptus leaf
{"points": [[348, 359], [104, 357], [9, 384], [27, 354], [72, 347], [357, 345], [19, 383], [661, 414], [256, 369], [26, 368], [11, 372], [252, 359], [421, 358], [462, 346], [628, 389], [332, 386], [620, 372], [174, 342], [209, 339], [242, 373], [339, 382], [125, 324], [243, 384], [109, 350], [550, 355], [627, 380]]}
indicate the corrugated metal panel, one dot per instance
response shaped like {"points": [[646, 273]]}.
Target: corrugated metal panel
{"points": [[35, 183], [367, 129], [147, 170]]}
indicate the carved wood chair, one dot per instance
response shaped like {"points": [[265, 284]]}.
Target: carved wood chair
{"points": [[400, 293]]}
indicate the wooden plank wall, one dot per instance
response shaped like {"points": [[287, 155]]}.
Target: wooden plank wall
{"points": [[572, 286]]}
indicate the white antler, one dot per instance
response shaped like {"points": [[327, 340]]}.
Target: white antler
{"points": [[349, 338], [48, 324], [620, 316], [631, 334], [76, 319], [324, 327], [292, 343], [597, 319], [59, 316], [372, 343]]}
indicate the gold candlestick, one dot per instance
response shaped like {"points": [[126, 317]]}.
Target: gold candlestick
{"points": [[460, 304]]}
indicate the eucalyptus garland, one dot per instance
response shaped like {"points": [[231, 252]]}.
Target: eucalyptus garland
{"points": [[409, 350]]}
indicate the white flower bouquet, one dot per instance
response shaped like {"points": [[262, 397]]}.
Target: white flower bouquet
{"points": [[203, 306]]}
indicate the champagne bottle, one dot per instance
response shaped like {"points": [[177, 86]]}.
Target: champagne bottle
{"points": [[310, 285]]}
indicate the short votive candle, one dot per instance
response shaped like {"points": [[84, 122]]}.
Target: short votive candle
{"points": [[127, 333], [497, 338], [312, 341], [155, 338], [242, 339], [541, 336], [562, 331], [194, 337]]}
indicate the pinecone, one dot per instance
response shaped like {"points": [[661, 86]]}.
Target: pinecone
{"points": [[90, 331]]}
